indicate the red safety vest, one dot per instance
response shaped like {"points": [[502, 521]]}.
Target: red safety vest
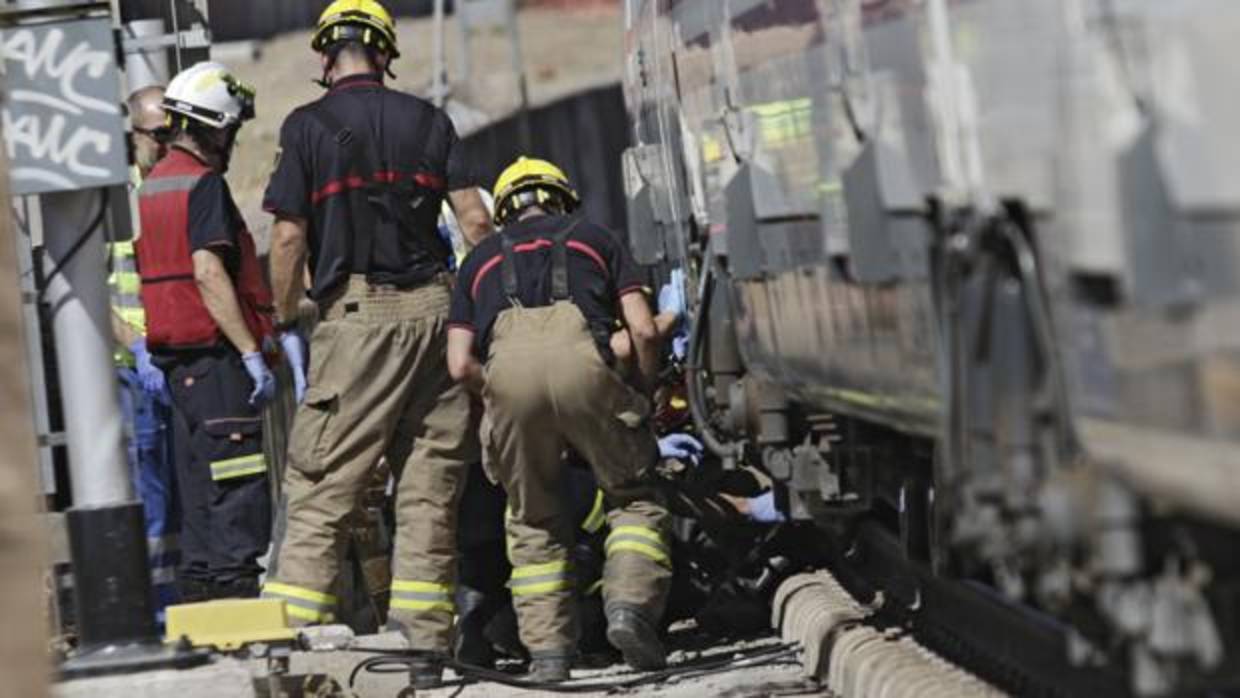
{"points": [[175, 314]]}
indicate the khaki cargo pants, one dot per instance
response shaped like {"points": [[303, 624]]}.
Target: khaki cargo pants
{"points": [[547, 387], [378, 386]]}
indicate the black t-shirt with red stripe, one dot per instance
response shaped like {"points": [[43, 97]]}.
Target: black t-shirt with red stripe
{"points": [[600, 271], [312, 179]]}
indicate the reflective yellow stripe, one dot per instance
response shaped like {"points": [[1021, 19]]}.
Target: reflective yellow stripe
{"points": [[641, 540], [422, 605], [126, 282], [292, 592], [542, 578], [525, 571], [542, 587], [239, 467], [305, 613], [642, 531], [597, 516], [419, 586], [133, 316], [642, 549], [595, 588], [419, 595]]}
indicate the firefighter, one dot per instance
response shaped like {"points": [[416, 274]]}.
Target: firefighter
{"points": [[208, 317], [143, 389], [360, 180], [538, 304]]}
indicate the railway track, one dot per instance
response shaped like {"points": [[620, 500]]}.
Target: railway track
{"points": [[878, 624]]}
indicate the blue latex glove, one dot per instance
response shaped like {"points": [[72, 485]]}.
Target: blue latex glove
{"points": [[149, 376], [762, 509], [680, 344], [264, 380], [681, 447], [672, 295], [295, 353]]}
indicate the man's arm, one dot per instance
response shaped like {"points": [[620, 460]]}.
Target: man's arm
{"points": [[462, 363], [220, 297], [471, 214], [645, 336], [288, 256]]}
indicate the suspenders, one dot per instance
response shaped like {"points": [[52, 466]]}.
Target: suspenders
{"points": [[559, 265], [389, 200]]}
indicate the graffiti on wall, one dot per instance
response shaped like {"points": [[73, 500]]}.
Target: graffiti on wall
{"points": [[61, 117]]}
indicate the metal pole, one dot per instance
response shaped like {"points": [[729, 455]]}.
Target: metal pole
{"points": [[518, 67], [439, 63], [81, 321]]}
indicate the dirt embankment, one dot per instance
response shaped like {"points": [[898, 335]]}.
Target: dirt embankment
{"points": [[565, 51]]}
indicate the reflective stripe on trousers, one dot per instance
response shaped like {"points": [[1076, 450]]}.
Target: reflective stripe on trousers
{"points": [[241, 466], [164, 554], [303, 604], [543, 578], [641, 540], [416, 595], [597, 516]]}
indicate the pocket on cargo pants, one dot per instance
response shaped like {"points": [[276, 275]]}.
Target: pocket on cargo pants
{"points": [[310, 437]]}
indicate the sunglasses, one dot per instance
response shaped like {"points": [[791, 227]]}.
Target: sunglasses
{"points": [[161, 135]]}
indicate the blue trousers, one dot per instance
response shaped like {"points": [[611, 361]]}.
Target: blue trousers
{"points": [[148, 422]]}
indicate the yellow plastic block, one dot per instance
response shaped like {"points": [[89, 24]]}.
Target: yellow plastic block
{"points": [[229, 624]]}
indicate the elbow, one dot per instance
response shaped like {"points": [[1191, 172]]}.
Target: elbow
{"points": [[287, 235], [478, 227]]}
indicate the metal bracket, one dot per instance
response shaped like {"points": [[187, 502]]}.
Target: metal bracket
{"points": [[197, 36]]}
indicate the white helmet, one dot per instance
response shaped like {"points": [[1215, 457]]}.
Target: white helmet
{"points": [[208, 93]]}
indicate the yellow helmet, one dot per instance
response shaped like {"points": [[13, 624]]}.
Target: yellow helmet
{"points": [[531, 182], [365, 21]]}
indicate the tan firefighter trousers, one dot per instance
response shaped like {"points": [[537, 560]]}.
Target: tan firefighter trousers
{"points": [[547, 388], [378, 386]]}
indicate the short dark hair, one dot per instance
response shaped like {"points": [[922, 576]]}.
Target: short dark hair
{"points": [[355, 49]]}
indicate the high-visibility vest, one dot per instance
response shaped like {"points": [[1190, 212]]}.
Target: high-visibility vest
{"points": [[176, 317], [125, 285]]}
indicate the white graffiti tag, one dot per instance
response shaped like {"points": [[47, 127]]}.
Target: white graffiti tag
{"points": [[52, 129]]}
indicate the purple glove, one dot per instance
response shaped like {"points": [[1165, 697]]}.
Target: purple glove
{"points": [[762, 509], [295, 353], [264, 380], [681, 447], [149, 376]]}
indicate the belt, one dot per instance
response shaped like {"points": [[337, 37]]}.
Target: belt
{"points": [[361, 300]]}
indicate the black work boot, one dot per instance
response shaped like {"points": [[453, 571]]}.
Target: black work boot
{"points": [[239, 588], [635, 637], [426, 670], [554, 669], [475, 610], [193, 590]]}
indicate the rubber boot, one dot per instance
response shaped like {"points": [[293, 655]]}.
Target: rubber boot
{"points": [[475, 610], [635, 637], [550, 669]]}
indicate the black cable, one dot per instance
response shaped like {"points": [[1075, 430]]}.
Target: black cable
{"points": [[77, 246], [714, 442], [397, 661]]}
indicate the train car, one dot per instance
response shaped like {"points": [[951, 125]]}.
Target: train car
{"points": [[966, 272]]}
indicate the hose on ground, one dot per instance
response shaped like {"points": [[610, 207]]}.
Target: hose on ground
{"points": [[397, 661]]}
